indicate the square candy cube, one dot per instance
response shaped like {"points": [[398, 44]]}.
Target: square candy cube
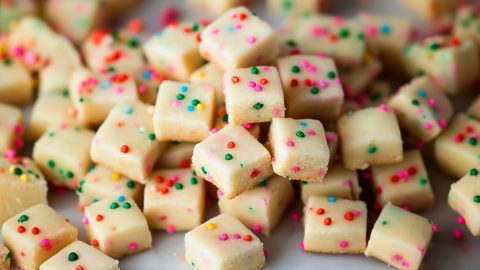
{"points": [[94, 95], [222, 120], [312, 87], [16, 84], [102, 182], [176, 155], [253, 95], [54, 79], [213, 75], [232, 160], [148, 82], [459, 140], [184, 111], [467, 23], [11, 128], [238, 39], [422, 109], [404, 183], [464, 198], [79, 255], [380, 141], [135, 152], [262, 207], [22, 185], [5, 258], [335, 225], [338, 182], [63, 154], [174, 200], [356, 79], [35, 235], [223, 243], [399, 238], [292, 142], [117, 227], [173, 52]]}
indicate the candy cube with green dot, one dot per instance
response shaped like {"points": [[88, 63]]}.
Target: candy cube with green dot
{"points": [[11, 130], [335, 225], [312, 87], [184, 111], [404, 184], [355, 80], [467, 23], [63, 154], [126, 143], [292, 142], [262, 207], [174, 200], [79, 255], [292, 8], [174, 51], [117, 227], [422, 109], [94, 95], [464, 198], [213, 75], [102, 182], [399, 238], [232, 160], [5, 258], [370, 136], [36, 234], [222, 243], [253, 95], [16, 86], [459, 140]]}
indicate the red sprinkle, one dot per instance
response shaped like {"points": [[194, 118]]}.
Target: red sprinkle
{"points": [[99, 217], [327, 221], [247, 238], [35, 230], [231, 144], [235, 79], [95, 243], [263, 81], [254, 174], [394, 179], [412, 170], [293, 82], [79, 267], [124, 149], [320, 211], [21, 229], [348, 216]]}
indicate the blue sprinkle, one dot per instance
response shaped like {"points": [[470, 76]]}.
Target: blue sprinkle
{"points": [[128, 110], [142, 129], [303, 124], [385, 29], [146, 75], [159, 34], [230, 29], [105, 85], [90, 168], [422, 93], [191, 108], [332, 199], [184, 89], [121, 198]]}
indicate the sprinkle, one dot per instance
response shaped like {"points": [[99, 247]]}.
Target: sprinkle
{"points": [[183, 88], [128, 110], [290, 143], [178, 186], [131, 184], [331, 75], [327, 221], [21, 229], [257, 228], [126, 205], [228, 157], [295, 69], [132, 246], [314, 90], [320, 211], [231, 144], [473, 172], [332, 199], [235, 79], [343, 244], [115, 176], [170, 229], [247, 238], [23, 218], [223, 237], [99, 217], [124, 149], [114, 205], [151, 136], [461, 220], [476, 198], [254, 70], [180, 97], [211, 226], [458, 234], [372, 149], [121, 198], [300, 134], [258, 106], [72, 256], [348, 216]]}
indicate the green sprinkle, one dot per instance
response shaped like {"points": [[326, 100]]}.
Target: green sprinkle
{"points": [[7, 62], [193, 181], [473, 172], [133, 42], [151, 136], [423, 181], [472, 141], [195, 27], [250, 209], [195, 102], [331, 75], [254, 70], [126, 205], [415, 102], [314, 90], [344, 33], [17, 171], [291, 43], [225, 118], [178, 186], [114, 205], [258, 106], [476, 198], [228, 157], [372, 149], [72, 256], [434, 46], [295, 69], [70, 174], [204, 170], [23, 218], [300, 134], [130, 184], [263, 183], [384, 222], [180, 96]]}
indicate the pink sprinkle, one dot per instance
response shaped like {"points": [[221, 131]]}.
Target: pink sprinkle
{"points": [[251, 84], [371, 31], [132, 246], [237, 26], [219, 193], [223, 237], [339, 20], [398, 257], [457, 138], [434, 227], [301, 245], [304, 63], [176, 103], [29, 58], [347, 182], [45, 243], [257, 228], [276, 111], [296, 169], [85, 220], [295, 216], [311, 132], [237, 236], [251, 39], [405, 264], [318, 31], [290, 143], [330, 138], [428, 126], [421, 250], [248, 126], [343, 244], [312, 69], [19, 143], [442, 123], [356, 213], [169, 15], [170, 229], [11, 153], [383, 107], [174, 178], [258, 88], [18, 51], [214, 130], [431, 102], [119, 90], [458, 234], [141, 89], [266, 254], [18, 129], [214, 31], [461, 220], [265, 68]]}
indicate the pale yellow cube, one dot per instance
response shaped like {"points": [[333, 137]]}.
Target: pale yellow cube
{"points": [[148, 82], [176, 155], [54, 79], [35, 235], [356, 79], [467, 23], [16, 84], [213, 75], [5, 258], [184, 111], [464, 198], [11, 127]]}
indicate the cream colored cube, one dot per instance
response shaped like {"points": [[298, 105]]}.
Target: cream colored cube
{"points": [[452, 62], [54, 79], [312, 87], [94, 95], [432, 10], [213, 75], [460, 141], [299, 148], [217, 8], [16, 84], [13, 11], [174, 51], [377, 93], [238, 39], [11, 127], [422, 109], [396, 245], [262, 207], [5, 258], [293, 8], [222, 120], [36, 234], [404, 184], [338, 182], [287, 42], [232, 160], [102, 182], [380, 141], [51, 110], [335, 225], [22, 185], [464, 198], [336, 37], [148, 82], [467, 23], [253, 95], [63, 154], [176, 155], [223, 243], [174, 200], [117, 227], [184, 111], [79, 255], [356, 79], [135, 152]]}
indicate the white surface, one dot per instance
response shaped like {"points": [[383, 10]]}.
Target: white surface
{"points": [[283, 245]]}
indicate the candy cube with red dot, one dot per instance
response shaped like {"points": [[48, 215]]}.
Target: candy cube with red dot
{"points": [[223, 242], [11, 129], [238, 39], [253, 95], [125, 142], [174, 200], [292, 142], [232, 160], [399, 238], [117, 227], [262, 207], [184, 111], [176, 155], [404, 184], [335, 225], [16, 86], [63, 154], [36, 234], [370, 136], [312, 87]]}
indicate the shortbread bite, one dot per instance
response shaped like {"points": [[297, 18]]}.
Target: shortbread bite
{"points": [[356, 79], [11, 129], [467, 23], [213, 75], [16, 84], [54, 79], [464, 198]]}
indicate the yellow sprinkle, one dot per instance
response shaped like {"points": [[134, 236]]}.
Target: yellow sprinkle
{"points": [[11, 169], [201, 74], [201, 106], [115, 176], [24, 178], [211, 226]]}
